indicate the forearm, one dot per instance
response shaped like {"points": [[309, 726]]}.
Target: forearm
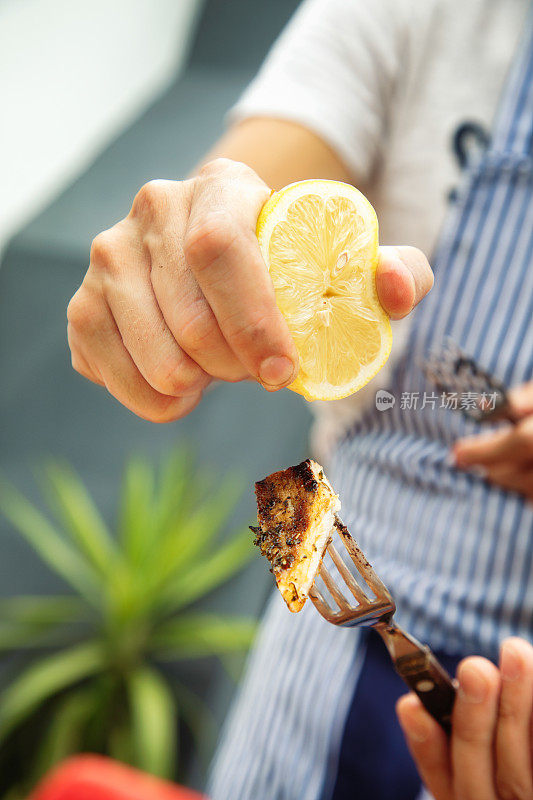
{"points": [[280, 152]]}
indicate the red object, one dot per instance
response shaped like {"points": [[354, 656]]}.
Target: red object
{"points": [[89, 777]]}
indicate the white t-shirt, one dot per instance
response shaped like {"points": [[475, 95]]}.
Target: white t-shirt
{"points": [[387, 83]]}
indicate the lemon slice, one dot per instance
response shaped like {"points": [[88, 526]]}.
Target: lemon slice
{"points": [[319, 239]]}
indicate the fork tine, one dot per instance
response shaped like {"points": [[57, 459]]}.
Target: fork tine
{"points": [[350, 581], [332, 587], [363, 566], [320, 604]]}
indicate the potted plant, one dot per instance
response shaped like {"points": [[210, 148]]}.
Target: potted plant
{"points": [[94, 681]]}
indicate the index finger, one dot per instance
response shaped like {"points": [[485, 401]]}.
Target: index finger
{"points": [[222, 250], [428, 745], [514, 444]]}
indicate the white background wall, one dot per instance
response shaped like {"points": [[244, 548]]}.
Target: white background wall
{"points": [[73, 73]]}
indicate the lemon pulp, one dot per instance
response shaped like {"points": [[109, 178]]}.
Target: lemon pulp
{"points": [[319, 239]]}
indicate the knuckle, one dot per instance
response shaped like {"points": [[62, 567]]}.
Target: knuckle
{"points": [[511, 787], [86, 313], [80, 311], [253, 330], [216, 166], [527, 424], [82, 368], [471, 737], [524, 437], [528, 436], [151, 199], [209, 240], [507, 710], [172, 378], [157, 415], [220, 168], [163, 410], [200, 329], [471, 733], [103, 248]]}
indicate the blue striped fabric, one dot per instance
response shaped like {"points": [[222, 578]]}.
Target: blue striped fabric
{"points": [[291, 707], [456, 553]]}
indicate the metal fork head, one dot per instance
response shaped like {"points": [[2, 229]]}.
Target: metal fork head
{"points": [[365, 611]]}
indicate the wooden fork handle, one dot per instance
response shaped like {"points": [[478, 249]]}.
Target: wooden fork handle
{"points": [[421, 671]]}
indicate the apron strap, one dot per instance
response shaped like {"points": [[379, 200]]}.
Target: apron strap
{"points": [[513, 127]]}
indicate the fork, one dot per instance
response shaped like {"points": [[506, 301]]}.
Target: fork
{"points": [[414, 662]]}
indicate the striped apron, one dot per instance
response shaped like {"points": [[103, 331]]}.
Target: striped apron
{"points": [[456, 553]]}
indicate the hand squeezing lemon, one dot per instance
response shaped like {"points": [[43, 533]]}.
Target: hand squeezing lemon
{"points": [[319, 239]]}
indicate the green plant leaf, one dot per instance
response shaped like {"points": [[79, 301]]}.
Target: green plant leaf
{"points": [[195, 634], [154, 721], [31, 622], [165, 557], [48, 543], [64, 735], [187, 539], [27, 637], [109, 715], [44, 679], [214, 570], [176, 492], [136, 523], [119, 743], [43, 609], [80, 517], [125, 599]]}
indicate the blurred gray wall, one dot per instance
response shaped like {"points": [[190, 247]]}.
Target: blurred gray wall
{"points": [[56, 119]]}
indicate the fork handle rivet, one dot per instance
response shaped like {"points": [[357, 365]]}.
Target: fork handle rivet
{"points": [[425, 685]]}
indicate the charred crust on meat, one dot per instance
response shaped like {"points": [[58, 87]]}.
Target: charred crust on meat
{"points": [[283, 513], [304, 473], [295, 511]]}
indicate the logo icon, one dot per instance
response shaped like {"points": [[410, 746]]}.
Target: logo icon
{"points": [[384, 400]]}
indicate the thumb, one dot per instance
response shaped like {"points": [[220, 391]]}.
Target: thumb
{"points": [[403, 278]]}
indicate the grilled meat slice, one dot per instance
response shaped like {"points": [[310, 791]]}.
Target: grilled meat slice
{"points": [[296, 512]]}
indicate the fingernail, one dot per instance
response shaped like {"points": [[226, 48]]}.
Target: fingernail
{"points": [[472, 685], [276, 371], [510, 663]]}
